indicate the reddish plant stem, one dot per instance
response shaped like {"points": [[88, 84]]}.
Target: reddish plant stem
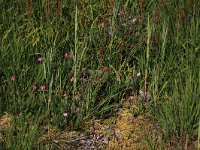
{"points": [[181, 17], [59, 8], [28, 8]]}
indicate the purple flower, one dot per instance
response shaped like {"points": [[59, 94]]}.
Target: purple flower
{"points": [[40, 59], [120, 13], [72, 79], [134, 20], [65, 114], [138, 74], [68, 55], [130, 77]]}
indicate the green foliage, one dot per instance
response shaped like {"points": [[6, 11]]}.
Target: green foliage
{"points": [[85, 61], [179, 116], [22, 133]]}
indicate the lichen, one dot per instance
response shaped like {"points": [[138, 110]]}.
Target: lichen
{"points": [[127, 133]]}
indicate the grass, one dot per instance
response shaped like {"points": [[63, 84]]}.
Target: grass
{"points": [[82, 58]]}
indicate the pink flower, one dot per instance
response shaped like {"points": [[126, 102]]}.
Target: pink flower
{"points": [[65, 114], [13, 78], [103, 24], [105, 69], [72, 79], [131, 97], [138, 74], [40, 59], [101, 79], [43, 88], [68, 56], [130, 77], [34, 87]]}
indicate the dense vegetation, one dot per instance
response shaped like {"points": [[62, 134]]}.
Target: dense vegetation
{"points": [[65, 62]]}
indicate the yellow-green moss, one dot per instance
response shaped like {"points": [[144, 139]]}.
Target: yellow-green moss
{"points": [[128, 134]]}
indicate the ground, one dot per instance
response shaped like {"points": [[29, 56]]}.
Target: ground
{"points": [[122, 131]]}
